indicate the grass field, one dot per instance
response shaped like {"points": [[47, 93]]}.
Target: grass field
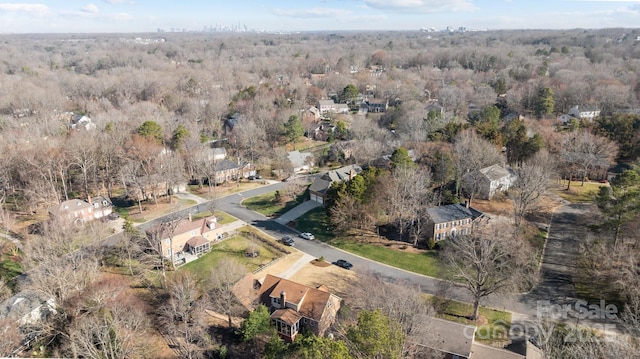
{"points": [[316, 222], [10, 268], [267, 206], [496, 328], [234, 247], [423, 263], [579, 193]]}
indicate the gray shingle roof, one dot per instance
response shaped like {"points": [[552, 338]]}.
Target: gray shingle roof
{"points": [[452, 212], [496, 172], [225, 165]]}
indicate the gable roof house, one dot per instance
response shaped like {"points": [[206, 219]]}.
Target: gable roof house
{"points": [[79, 211], [311, 115], [294, 306], [320, 186], [377, 105], [301, 161], [455, 340], [189, 237], [330, 106], [452, 219], [489, 180]]}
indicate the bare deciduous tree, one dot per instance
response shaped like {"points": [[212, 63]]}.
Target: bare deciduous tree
{"points": [[532, 181], [182, 316], [484, 262], [472, 154], [223, 277]]}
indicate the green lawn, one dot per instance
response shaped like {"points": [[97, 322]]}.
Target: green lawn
{"points": [[579, 192], [235, 248], [496, 328], [316, 222], [422, 263], [267, 206], [10, 269]]}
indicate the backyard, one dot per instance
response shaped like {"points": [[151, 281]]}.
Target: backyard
{"points": [[236, 247]]}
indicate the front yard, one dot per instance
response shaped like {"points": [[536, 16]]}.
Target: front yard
{"points": [[579, 193], [269, 205], [493, 325]]}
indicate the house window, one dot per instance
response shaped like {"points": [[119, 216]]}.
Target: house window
{"points": [[444, 235], [438, 236], [304, 320], [453, 224], [438, 226], [193, 233], [468, 221]]}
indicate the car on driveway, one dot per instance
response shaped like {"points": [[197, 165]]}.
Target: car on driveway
{"points": [[343, 263], [307, 235], [288, 241]]}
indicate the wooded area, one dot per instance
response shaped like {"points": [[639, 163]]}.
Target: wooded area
{"points": [[104, 115]]}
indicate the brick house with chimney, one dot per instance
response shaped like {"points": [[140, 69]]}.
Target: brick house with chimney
{"points": [[79, 211], [450, 220], [294, 306], [320, 186]]}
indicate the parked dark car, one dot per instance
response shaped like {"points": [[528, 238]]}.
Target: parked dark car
{"points": [[343, 263], [288, 241]]}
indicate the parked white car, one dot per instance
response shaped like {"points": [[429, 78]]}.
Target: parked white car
{"points": [[307, 235]]}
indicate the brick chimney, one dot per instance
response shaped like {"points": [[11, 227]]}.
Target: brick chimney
{"points": [[283, 299]]}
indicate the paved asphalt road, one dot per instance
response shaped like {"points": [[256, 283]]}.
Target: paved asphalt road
{"points": [[556, 286]]}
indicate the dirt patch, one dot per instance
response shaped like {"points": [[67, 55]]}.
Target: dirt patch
{"points": [[321, 264]]}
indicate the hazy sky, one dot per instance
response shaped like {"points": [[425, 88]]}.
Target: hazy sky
{"points": [[301, 15]]}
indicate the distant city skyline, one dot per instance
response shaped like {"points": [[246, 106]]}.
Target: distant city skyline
{"points": [[122, 16]]}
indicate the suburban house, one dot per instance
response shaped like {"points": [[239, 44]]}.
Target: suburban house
{"points": [[301, 161], [27, 308], [79, 121], [455, 340], [323, 131], [311, 115], [376, 105], [153, 186], [79, 211], [584, 113], [227, 170], [102, 206], [320, 186], [294, 306], [217, 154], [489, 180], [186, 236], [330, 106], [452, 219]]}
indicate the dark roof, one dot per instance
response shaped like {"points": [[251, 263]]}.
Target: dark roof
{"points": [[453, 338], [225, 165], [320, 185], [452, 212], [496, 172]]}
